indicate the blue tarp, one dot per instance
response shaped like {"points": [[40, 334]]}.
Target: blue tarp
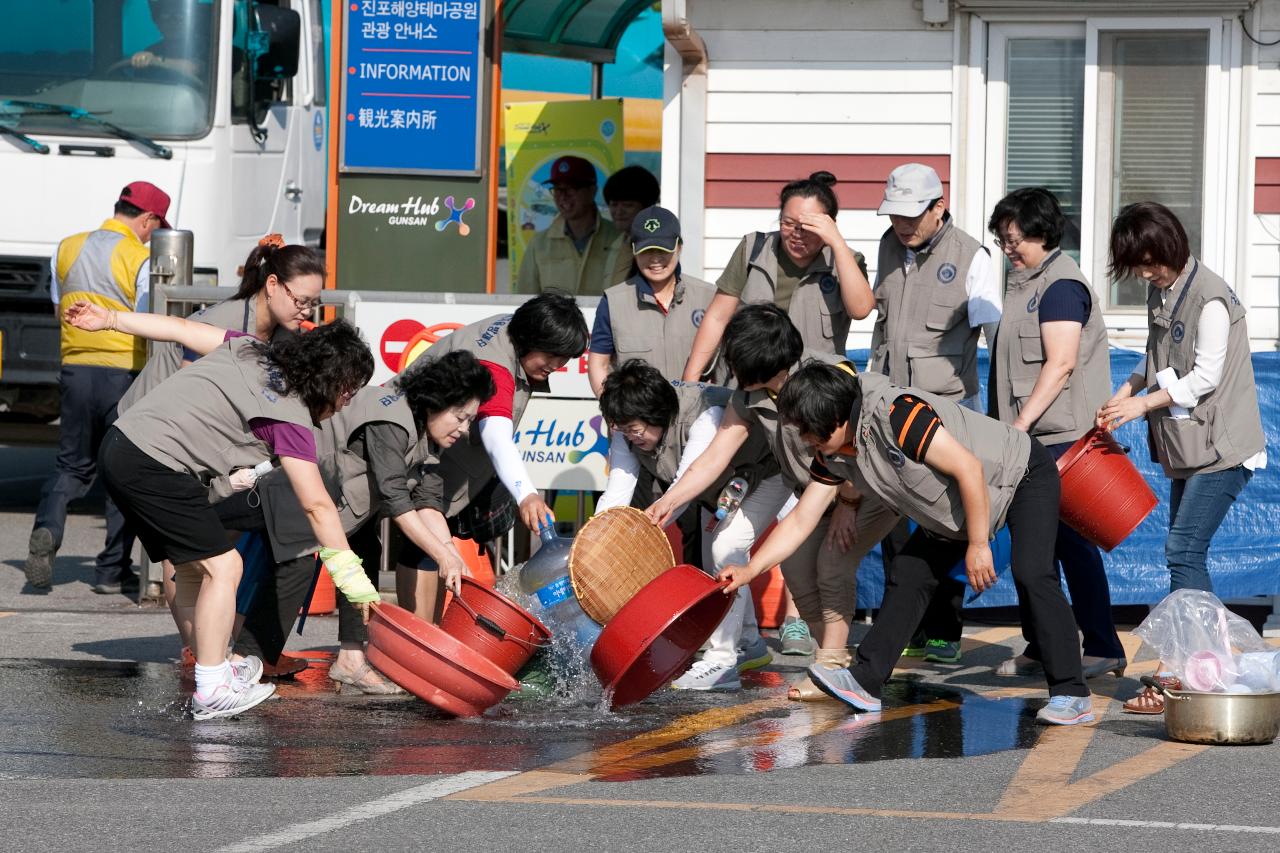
{"points": [[1244, 559]]}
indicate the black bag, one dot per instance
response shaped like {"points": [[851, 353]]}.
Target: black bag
{"points": [[489, 516]]}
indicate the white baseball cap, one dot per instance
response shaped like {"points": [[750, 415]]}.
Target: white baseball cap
{"points": [[910, 190]]}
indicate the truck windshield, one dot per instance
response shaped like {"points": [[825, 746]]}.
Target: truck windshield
{"points": [[144, 65]]}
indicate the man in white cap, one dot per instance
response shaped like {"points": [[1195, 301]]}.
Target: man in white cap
{"points": [[935, 287]]}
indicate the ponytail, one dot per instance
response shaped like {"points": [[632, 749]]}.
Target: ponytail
{"points": [[272, 256]]}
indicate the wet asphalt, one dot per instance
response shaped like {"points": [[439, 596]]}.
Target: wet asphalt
{"points": [[96, 751]]}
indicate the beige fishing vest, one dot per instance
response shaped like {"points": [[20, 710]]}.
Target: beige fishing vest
{"points": [[1225, 427], [199, 421], [816, 308], [344, 469], [642, 329], [1019, 356], [466, 468], [929, 497], [922, 336]]}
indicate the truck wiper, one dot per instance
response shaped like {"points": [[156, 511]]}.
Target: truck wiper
{"points": [[34, 144], [80, 114]]}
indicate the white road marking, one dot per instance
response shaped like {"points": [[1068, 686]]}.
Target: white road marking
{"points": [[1164, 824], [432, 790]]}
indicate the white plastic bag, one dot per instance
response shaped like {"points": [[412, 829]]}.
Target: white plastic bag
{"points": [[1198, 638]]}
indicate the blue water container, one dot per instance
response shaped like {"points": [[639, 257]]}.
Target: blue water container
{"points": [[545, 579]]}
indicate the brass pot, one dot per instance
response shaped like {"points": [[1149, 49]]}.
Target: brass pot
{"points": [[1219, 718]]}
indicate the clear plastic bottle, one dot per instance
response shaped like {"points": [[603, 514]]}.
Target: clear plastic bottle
{"points": [[545, 579], [731, 498]]}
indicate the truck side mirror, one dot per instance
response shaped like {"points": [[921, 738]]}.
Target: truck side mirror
{"points": [[282, 29]]}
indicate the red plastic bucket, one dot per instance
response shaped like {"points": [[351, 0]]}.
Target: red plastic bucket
{"points": [[655, 635], [769, 591], [1104, 497], [432, 665], [325, 599], [494, 625]]}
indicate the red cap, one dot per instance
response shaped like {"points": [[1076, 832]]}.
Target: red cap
{"points": [[573, 171], [148, 198]]}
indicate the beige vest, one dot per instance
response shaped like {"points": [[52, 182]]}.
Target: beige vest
{"points": [[642, 329], [760, 410], [466, 467], [344, 469], [922, 336], [816, 308], [198, 420], [914, 489], [1019, 356], [166, 356], [664, 460], [1225, 427]]}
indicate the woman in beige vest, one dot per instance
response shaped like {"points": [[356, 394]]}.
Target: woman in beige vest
{"points": [[244, 403], [1201, 404], [1051, 372], [805, 268]]}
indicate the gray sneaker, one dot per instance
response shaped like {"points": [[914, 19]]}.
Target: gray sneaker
{"points": [[839, 684], [754, 656], [1066, 711], [229, 699], [40, 554], [247, 671], [795, 636]]}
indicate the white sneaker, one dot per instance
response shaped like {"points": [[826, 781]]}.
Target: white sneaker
{"points": [[247, 671], [705, 675], [229, 699]]}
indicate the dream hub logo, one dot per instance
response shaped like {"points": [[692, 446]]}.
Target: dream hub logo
{"points": [[600, 446], [455, 215]]}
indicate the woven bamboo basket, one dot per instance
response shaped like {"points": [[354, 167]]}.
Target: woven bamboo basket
{"points": [[613, 557]]}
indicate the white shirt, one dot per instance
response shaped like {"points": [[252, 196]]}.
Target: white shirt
{"points": [[497, 434], [624, 467], [1212, 332]]}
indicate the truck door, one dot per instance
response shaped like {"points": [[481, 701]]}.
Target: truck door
{"points": [[312, 125]]}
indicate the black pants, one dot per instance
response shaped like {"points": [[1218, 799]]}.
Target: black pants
{"points": [[351, 627], [943, 619], [925, 559], [88, 397]]}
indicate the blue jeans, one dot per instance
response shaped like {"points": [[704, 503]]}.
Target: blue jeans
{"points": [[1197, 506]]}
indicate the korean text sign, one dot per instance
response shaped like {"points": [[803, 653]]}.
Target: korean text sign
{"points": [[412, 90]]}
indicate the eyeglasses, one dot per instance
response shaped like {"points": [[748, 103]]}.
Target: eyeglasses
{"points": [[633, 431], [785, 224], [1008, 245], [300, 304]]}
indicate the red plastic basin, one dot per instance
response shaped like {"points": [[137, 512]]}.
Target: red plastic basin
{"points": [[495, 626], [432, 665], [1104, 497], [654, 636]]}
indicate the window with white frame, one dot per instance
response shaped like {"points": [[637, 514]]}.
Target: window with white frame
{"points": [[1103, 113]]}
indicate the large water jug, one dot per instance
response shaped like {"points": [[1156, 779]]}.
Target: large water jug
{"points": [[545, 579]]}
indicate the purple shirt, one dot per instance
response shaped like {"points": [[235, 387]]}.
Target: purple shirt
{"points": [[284, 439]]}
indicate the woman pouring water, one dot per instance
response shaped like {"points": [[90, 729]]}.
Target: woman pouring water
{"points": [[1200, 400]]}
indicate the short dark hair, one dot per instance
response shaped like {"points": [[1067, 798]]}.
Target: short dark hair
{"points": [[318, 367], [760, 341], [637, 391], [125, 208], [284, 262], [550, 322], [818, 398], [1035, 211], [818, 185], [1147, 233], [632, 183], [431, 385]]}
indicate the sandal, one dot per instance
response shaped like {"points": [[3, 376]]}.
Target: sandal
{"points": [[1150, 701], [357, 679]]}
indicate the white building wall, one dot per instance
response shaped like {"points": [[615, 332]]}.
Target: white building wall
{"points": [[1262, 291]]}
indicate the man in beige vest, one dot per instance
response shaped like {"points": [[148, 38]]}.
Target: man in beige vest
{"points": [[581, 252], [935, 287]]}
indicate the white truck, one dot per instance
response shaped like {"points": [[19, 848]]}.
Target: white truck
{"points": [[220, 103]]}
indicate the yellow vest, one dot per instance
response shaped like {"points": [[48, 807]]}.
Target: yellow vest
{"points": [[101, 267]]}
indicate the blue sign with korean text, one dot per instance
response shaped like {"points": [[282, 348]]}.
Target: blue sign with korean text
{"points": [[413, 86]]}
